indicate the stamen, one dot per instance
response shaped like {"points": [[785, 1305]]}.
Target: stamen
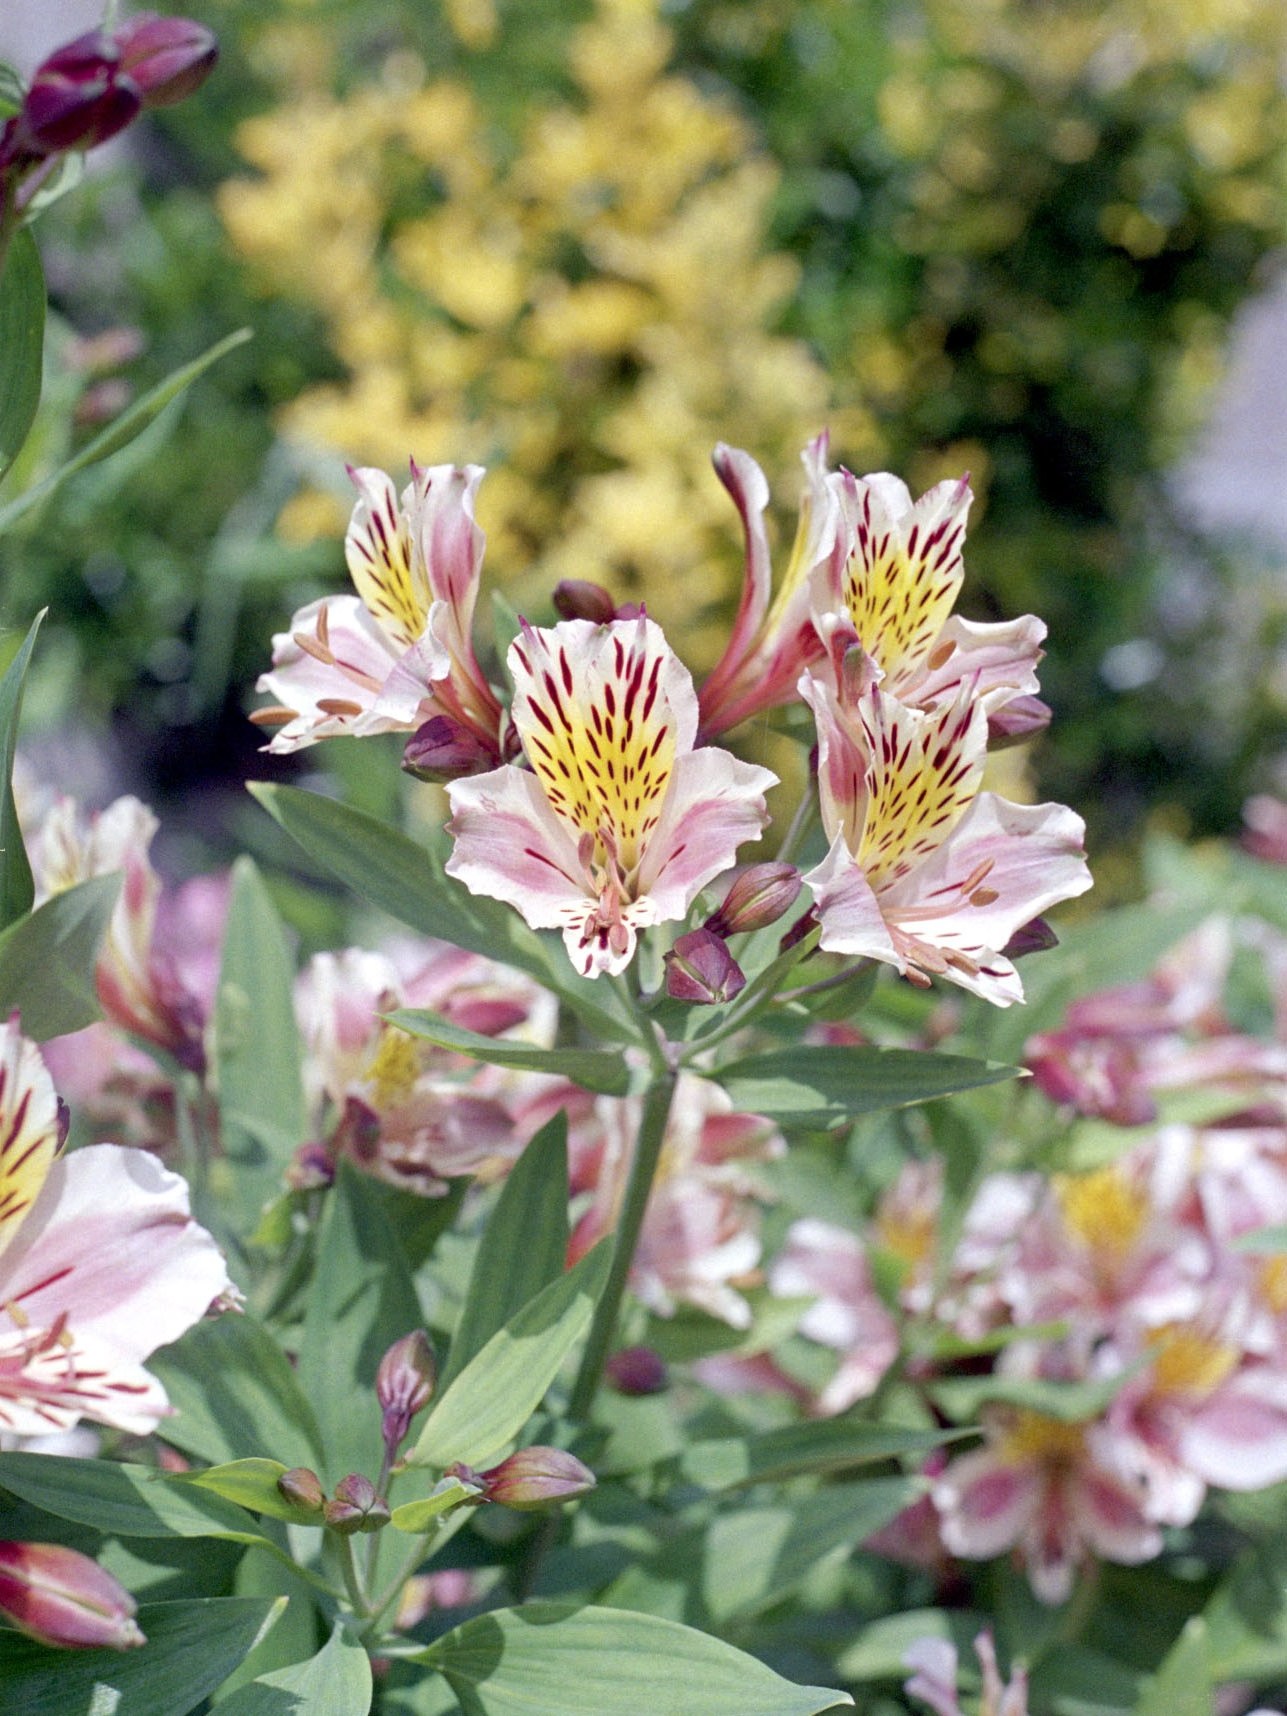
{"points": [[273, 715]]}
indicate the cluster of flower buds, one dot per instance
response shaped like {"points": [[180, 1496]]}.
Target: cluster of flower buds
{"points": [[61, 1597], [91, 88], [699, 967], [355, 1506]]}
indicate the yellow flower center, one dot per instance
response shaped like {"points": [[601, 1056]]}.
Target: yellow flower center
{"points": [[1103, 1210], [394, 1068], [382, 564], [1273, 1282], [1034, 1436], [899, 595], [1185, 1362], [920, 780]]}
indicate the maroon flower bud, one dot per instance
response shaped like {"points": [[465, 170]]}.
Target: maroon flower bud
{"points": [[636, 1370], [700, 968], [167, 58], [311, 1168], [1017, 720], [535, 1477], [444, 750], [303, 1488], [355, 1506], [579, 599], [760, 894], [61, 1597], [803, 926], [1033, 937], [79, 97], [404, 1385]]}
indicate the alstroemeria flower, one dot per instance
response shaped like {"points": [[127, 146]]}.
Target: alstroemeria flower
{"points": [[925, 872], [399, 652], [771, 642], [894, 593], [847, 1314], [100, 1264], [619, 822]]}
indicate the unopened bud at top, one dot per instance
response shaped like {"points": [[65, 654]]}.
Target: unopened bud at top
{"points": [[356, 1506], [1019, 719], [78, 98], [579, 599], [404, 1385], [302, 1487], [444, 749], [61, 1597], [534, 1477], [167, 58], [759, 895], [700, 968], [636, 1371]]}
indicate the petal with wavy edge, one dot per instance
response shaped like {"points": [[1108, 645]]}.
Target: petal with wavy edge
{"points": [[985, 1504], [715, 803], [511, 846], [346, 666], [50, 1381], [852, 921], [999, 662]]}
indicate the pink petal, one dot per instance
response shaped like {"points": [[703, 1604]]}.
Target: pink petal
{"points": [[852, 921], [715, 802], [985, 1504], [361, 659], [510, 846]]}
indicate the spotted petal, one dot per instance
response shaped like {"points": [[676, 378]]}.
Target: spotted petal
{"points": [[30, 1128]]}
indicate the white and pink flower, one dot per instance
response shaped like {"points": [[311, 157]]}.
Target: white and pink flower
{"points": [[925, 872], [619, 821], [399, 652], [847, 1313], [100, 1264]]}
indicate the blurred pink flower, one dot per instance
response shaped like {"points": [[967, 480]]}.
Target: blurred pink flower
{"points": [[830, 1264], [1265, 832], [933, 1681]]}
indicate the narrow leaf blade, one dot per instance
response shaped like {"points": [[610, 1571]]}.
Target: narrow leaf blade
{"points": [[47, 959]]}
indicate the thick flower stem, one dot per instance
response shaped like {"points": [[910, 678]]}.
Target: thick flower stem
{"points": [[652, 1132]]}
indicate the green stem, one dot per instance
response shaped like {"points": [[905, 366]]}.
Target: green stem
{"points": [[648, 1143], [343, 1550], [799, 828]]}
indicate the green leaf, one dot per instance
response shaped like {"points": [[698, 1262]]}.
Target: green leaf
{"points": [[47, 959], [17, 890], [12, 89], [592, 1069], [125, 1501], [562, 1661], [879, 1650], [826, 1445], [1268, 1240], [122, 430], [191, 1648], [498, 1390], [820, 1086], [414, 1516], [362, 1299], [746, 1559], [257, 1051], [1069, 1402], [1246, 1619], [523, 1248], [22, 344], [335, 1682], [236, 1394], [252, 1484], [406, 879], [1182, 1685]]}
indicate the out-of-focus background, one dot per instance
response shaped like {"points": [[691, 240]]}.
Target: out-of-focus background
{"points": [[579, 241]]}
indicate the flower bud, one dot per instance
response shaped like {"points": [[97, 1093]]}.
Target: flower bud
{"points": [[1033, 937], [355, 1506], [404, 1385], [535, 1477], [760, 894], [78, 97], [636, 1370], [1019, 719], [303, 1488], [700, 968], [804, 925], [310, 1169], [61, 1597], [167, 58], [444, 750], [579, 599]]}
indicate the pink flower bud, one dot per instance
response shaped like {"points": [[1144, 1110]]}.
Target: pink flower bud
{"points": [[534, 1477], [636, 1370], [1036, 936], [355, 1506], [78, 97], [700, 968], [404, 1385], [167, 58], [311, 1168], [444, 750], [578, 599], [760, 894], [303, 1488], [1017, 720], [61, 1597]]}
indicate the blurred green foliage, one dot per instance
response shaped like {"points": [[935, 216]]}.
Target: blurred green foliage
{"points": [[1010, 235]]}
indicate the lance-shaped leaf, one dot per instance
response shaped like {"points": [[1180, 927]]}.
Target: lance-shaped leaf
{"points": [[22, 344], [497, 1392], [191, 1649], [592, 1069], [335, 1682], [1182, 1685], [523, 1248], [122, 430], [406, 879], [1069, 1402], [252, 1484], [564, 1661], [1246, 1618], [124, 1501], [257, 1052], [17, 890], [826, 1445], [821, 1086], [47, 960]]}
